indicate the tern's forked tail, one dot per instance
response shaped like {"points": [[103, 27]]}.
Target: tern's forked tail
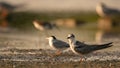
{"points": [[102, 46]]}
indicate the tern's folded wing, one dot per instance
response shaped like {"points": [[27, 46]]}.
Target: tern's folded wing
{"points": [[60, 44], [89, 48]]}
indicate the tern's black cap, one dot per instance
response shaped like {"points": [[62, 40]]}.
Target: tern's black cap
{"points": [[71, 35], [53, 37]]}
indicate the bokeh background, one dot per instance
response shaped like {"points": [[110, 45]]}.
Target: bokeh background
{"points": [[78, 17]]}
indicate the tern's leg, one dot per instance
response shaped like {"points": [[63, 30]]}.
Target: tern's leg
{"points": [[83, 58], [58, 52]]}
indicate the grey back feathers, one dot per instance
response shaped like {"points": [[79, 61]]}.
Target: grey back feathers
{"points": [[85, 49], [60, 44]]}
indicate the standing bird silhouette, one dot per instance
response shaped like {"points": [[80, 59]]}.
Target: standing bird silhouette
{"points": [[44, 26], [81, 48], [105, 11], [57, 44]]}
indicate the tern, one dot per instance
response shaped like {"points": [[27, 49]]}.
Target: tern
{"points": [[44, 26], [56, 44], [81, 48], [40, 25], [105, 11]]}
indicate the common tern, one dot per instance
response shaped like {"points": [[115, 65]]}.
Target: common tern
{"points": [[42, 25], [81, 48], [105, 11], [56, 44]]}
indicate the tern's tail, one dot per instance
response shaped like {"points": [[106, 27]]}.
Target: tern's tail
{"points": [[102, 46]]}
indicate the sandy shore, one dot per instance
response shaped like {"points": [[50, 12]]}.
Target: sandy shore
{"points": [[46, 55], [13, 57]]}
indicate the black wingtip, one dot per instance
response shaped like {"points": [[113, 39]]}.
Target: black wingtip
{"points": [[109, 43]]}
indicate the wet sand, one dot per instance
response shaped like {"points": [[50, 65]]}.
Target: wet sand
{"points": [[37, 58]]}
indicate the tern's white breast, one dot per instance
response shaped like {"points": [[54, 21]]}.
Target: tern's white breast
{"points": [[99, 10], [72, 46], [51, 44], [38, 26]]}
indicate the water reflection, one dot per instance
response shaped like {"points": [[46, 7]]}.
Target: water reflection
{"points": [[105, 24], [106, 29], [69, 22]]}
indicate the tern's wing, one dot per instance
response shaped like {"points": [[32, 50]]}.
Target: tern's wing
{"points": [[111, 11], [102, 46], [60, 44], [80, 44], [47, 25], [90, 48]]}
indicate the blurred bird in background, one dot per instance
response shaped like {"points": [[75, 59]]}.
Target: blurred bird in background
{"points": [[105, 11], [44, 26]]}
